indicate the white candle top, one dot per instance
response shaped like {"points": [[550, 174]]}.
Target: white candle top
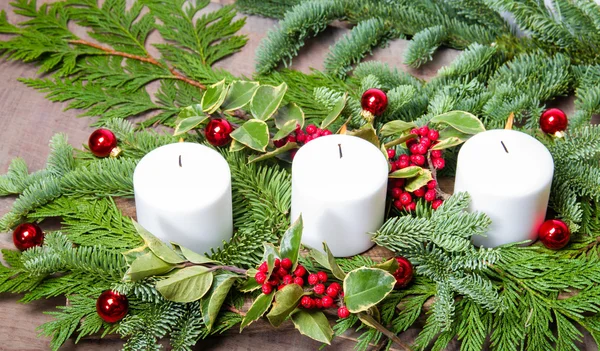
{"points": [[183, 175], [506, 162], [339, 167]]}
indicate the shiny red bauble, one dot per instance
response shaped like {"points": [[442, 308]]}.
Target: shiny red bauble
{"points": [[112, 306], [103, 142], [404, 273], [374, 101], [553, 120], [27, 235], [218, 131], [554, 234]]}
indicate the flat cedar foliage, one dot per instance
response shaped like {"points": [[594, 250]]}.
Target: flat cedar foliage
{"points": [[514, 297]]}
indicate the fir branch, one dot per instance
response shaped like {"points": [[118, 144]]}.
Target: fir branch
{"points": [[423, 45]]}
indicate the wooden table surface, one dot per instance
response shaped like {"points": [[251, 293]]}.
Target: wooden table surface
{"points": [[28, 121]]}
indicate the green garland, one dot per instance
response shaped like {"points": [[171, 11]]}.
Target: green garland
{"points": [[520, 297]]}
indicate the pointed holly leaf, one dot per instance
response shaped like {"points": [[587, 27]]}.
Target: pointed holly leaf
{"points": [[286, 114], [313, 324], [408, 172], [396, 127], [211, 303], [258, 308], [239, 95], [186, 285], [290, 242], [185, 125], [282, 150], [147, 265], [371, 317], [335, 268], [389, 266], [400, 140], [285, 130], [286, 301], [333, 115], [236, 146], [266, 100], [320, 257], [460, 120], [421, 180], [133, 254], [366, 287], [368, 133], [191, 255], [214, 96], [190, 111], [254, 134], [269, 256], [159, 248], [447, 143]]}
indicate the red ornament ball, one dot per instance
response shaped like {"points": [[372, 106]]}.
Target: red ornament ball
{"points": [[218, 131], [103, 142], [553, 120], [554, 234], [112, 306], [374, 101], [404, 273], [27, 235]]}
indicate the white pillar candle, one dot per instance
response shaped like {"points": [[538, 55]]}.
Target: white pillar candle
{"points": [[339, 185], [508, 175], [183, 195]]}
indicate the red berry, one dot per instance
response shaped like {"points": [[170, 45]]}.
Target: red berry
{"points": [[393, 166], [396, 192], [414, 131], [281, 272], [431, 184], [404, 157], [279, 142], [554, 234], [291, 139], [260, 277], [319, 289], [299, 281], [313, 279], [433, 135], [419, 160], [322, 276], [414, 149], [419, 192], [306, 302], [425, 141], [343, 312], [437, 153], [277, 263], [281, 287], [438, 163], [318, 303], [411, 207], [263, 267], [267, 288], [308, 139], [286, 263], [422, 149], [391, 153], [327, 132], [288, 279], [300, 137], [423, 131], [553, 120], [430, 195], [404, 273], [273, 280], [436, 203], [311, 129], [326, 301], [398, 204], [398, 183], [333, 290], [403, 163], [300, 271], [405, 198]]}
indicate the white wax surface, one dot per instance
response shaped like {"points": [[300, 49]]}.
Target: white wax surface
{"points": [[189, 204], [510, 183], [341, 199]]}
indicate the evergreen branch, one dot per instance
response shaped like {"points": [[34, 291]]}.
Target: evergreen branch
{"points": [[423, 45]]}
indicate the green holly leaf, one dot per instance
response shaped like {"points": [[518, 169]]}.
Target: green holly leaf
{"points": [[236, 146], [408, 172], [250, 284], [368, 133], [258, 308], [460, 120], [421, 180], [282, 150], [269, 256], [186, 285], [285, 130], [191, 255], [366, 287], [239, 95], [211, 303], [400, 140], [333, 266], [450, 137], [159, 248], [333, 115], [254, 134], [389, 266], [288, 113], [313, 324], [290, 242], [188, 124], [320, 257], [266, 100], [214, 96], [286, 301], [147, 265], [396, 127]]}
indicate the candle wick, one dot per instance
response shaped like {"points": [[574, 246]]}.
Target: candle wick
{"points": [[179, 160], [340, 147], [504, 146]]}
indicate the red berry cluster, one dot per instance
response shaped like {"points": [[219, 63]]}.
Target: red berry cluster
{"points": [[301, 137], [281, 276], [418, 148]]}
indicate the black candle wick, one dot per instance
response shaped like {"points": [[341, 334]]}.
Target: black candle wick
{"points": [[340, 147], [504, 146], [179, 160]]}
